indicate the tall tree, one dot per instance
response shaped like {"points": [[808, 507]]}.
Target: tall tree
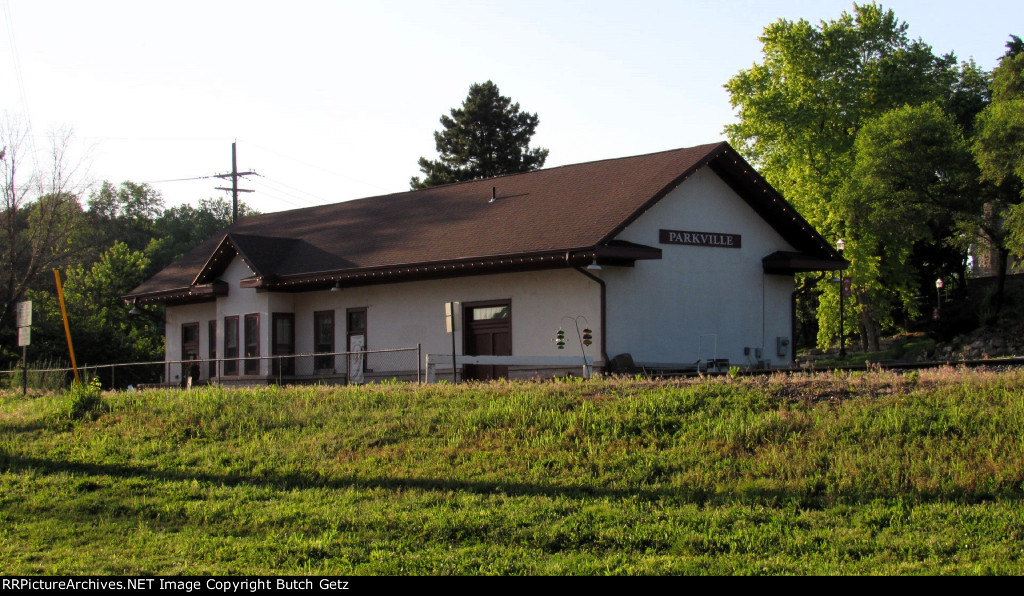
{"points": [[125, 213], [103, 330], [802, 108], [488, 136], [40, 216], [999, 150], [912, 189]]}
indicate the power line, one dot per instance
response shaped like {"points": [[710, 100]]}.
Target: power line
{"points": [[16, 58], [316, 167], [287, 197], [314, 200], [276, 197], [178, 180]]}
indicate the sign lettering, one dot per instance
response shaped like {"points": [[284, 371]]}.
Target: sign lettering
{"points": [[712, 239]]}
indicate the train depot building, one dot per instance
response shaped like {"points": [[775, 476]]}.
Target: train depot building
{"points": [[681, 259]]}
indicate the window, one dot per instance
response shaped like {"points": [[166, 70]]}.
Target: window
{"points": [[356, 321], [252, 344], [283, 342], [491, 313], [356, 329], [323, 339], [231, 345], [190, 341], [211, 342]]}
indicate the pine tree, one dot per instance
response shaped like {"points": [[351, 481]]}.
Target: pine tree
{"points": [[489, 136]]}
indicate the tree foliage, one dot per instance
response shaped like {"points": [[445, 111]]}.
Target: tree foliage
{"points": [[801, 109], [102, 329], [999, 150], [488, 136], [125, 213], [802, 114], [40, 217], [104, 252], [912, 188], [999, 146]]}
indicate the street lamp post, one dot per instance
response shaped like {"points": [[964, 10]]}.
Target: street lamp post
{"points": [[841, 245], [939, 284]]}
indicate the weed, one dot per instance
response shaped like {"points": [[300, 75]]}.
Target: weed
{"points": [[84, 399]]}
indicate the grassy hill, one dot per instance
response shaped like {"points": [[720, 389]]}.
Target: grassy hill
{"points": [[832, 473]]}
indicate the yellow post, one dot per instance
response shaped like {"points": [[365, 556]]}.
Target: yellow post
{"points": [[67, 329]]}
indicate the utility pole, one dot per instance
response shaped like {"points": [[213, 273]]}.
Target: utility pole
{"points": [[234, 175]]}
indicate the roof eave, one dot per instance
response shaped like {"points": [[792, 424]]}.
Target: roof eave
{"points": [[185, 295], [789, 263], [621, 254]]}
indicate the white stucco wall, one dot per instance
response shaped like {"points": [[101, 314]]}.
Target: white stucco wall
{"points": [[404, 314], [659, 309], [175, 317]]}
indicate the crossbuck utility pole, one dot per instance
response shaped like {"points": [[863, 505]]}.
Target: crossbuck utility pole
{"points": [[234, 175]]}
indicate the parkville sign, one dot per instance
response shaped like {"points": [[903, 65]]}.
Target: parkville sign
{"points": [[700, 239]]}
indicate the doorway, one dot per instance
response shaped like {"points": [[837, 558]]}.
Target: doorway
{"points": [[488, 333]]}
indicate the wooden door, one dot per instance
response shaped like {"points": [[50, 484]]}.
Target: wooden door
{"points": [[283, 343], [488, 333]]}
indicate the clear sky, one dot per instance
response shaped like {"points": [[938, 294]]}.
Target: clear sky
{"points": [[336, 100]]}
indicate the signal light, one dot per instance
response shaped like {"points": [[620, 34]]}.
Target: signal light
{"points": [[560, 339], [588, 337]]}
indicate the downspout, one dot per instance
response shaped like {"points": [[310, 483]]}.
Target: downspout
{"points": [[604, 317]]}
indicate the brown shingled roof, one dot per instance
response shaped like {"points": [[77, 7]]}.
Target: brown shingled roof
{"points": [[563, 213]]}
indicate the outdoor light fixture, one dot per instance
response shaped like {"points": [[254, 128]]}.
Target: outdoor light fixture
{"points": [[593, 266], [136, 310], [336, 287], [841, 245]]}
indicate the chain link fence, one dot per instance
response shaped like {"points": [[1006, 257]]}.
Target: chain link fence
{"points": [[335, 368]]}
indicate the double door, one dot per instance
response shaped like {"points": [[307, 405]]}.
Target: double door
{"points": [[488, 333]]}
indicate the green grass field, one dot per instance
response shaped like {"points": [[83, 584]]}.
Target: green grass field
{"points": [[872, 473]]}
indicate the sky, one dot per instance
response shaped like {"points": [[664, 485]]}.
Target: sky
{"points": [[335, 100]]}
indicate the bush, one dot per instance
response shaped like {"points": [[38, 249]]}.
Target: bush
{"points": [[84, 400]]}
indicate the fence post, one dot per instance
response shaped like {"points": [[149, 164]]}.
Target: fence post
{"points": [[419, 363], [431, 371]]}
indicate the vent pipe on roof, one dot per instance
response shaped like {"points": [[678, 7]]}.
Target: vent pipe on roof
{"points": [[494, 194]]}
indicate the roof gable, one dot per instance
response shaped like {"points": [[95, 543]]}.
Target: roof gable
{"points": [[262, 254]]}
